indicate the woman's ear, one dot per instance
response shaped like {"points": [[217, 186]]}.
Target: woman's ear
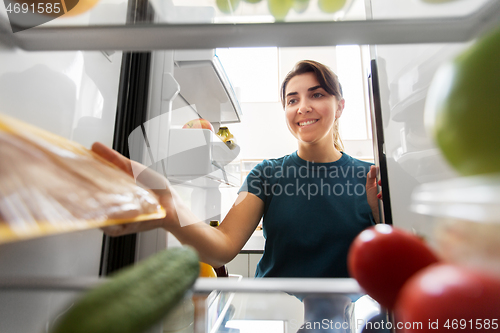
{"points": [[340, 108]]}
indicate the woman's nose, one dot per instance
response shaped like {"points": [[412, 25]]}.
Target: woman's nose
{"points": [[304, 108]]}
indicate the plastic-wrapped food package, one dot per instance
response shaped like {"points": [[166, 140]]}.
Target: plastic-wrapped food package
{"points": [[49, 185], [466, 216]]}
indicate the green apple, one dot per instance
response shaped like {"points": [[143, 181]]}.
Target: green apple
{"points": [[279, 8], [462, 109], [227, 6], [331, 6], [300, 6]]}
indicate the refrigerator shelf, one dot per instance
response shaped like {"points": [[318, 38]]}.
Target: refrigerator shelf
{"points": [[214, 304], [310, 286], [205, 87], [405, 29]]}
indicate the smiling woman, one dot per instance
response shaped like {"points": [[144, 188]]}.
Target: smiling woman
{"points": [[313, 202], [312, 98], [332, 192]]}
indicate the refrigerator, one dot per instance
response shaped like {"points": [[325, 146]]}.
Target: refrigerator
{"points": [[130, 73]]}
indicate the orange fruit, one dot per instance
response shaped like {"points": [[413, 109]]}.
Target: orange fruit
{"points": [[81, 7], [207, 271]]}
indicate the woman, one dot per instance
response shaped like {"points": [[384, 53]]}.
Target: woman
{"points": [[313, 202]]}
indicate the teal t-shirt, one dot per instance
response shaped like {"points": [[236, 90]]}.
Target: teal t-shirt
{"points": [[312, 213]]}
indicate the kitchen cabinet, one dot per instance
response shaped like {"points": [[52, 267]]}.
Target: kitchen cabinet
{"points": [[245, 263]]}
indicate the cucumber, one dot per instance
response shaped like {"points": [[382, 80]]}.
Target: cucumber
{"points": [[136, 297]]}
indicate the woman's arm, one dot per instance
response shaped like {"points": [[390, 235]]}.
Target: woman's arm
{"points": [[216, 246], [372, 194]]}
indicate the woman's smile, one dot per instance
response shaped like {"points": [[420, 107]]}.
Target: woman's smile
{"points": [[307, 122]]}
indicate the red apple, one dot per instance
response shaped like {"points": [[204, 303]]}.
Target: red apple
{"points": [[199, 123]]}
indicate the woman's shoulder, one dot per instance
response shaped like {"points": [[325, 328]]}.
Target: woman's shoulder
{"points": [[271, 167], [365, 163], [276, 162]]}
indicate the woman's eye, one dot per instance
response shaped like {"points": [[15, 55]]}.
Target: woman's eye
{"points": [[317, 95], [291, 101]]}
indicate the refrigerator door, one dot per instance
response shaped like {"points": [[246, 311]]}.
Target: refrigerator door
{"points": [[72, 94], [402, 75]]}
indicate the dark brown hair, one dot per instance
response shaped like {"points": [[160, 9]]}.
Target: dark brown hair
{"points": [[328, 81]]}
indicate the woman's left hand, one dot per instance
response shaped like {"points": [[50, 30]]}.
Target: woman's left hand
{"points": [[372, 193]]}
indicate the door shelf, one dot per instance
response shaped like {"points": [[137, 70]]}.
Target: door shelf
{"points": [[197, 157], [205, 86]]}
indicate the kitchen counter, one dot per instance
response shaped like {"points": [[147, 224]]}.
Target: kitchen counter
{"points": [[255, 243]]}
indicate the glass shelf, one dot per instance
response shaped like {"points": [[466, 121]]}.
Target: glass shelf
{"points": [[219, 305], [200, 24]]}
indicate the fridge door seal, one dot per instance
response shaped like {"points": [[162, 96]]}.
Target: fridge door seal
{"points": [[378, 142], [132, 107]]}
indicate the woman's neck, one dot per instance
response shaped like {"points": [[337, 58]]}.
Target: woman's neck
{"points": [[318, 153]]}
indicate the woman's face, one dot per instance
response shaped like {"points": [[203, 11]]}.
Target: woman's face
{"points": [[310, 110]]}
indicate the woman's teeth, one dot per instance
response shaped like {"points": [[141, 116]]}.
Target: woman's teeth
{"points": [[309, 122]]}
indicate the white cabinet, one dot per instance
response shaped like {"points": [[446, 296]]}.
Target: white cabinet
{"points": [[244, 264], [253, 260]]}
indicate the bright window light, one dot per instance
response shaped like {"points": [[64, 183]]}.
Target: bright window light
{"points": [[353, 124], [253, 72]]}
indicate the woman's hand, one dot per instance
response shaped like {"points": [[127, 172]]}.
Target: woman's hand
{"points": [[372, 194], [157, 182]]}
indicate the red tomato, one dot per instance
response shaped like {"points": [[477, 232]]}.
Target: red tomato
{"points": [[382, 258], [444, 297]]}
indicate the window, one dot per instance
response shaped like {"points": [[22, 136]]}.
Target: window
{"points": [[353, 123], [253, 72]]}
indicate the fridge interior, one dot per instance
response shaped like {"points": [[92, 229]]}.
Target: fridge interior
{"points": [[82, 58]]}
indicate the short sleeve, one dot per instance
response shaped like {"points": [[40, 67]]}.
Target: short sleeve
{"points": [[255, 182]]}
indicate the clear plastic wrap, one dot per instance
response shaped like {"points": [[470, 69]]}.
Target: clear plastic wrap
{"points": [[466, 215], [49, 184]]}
